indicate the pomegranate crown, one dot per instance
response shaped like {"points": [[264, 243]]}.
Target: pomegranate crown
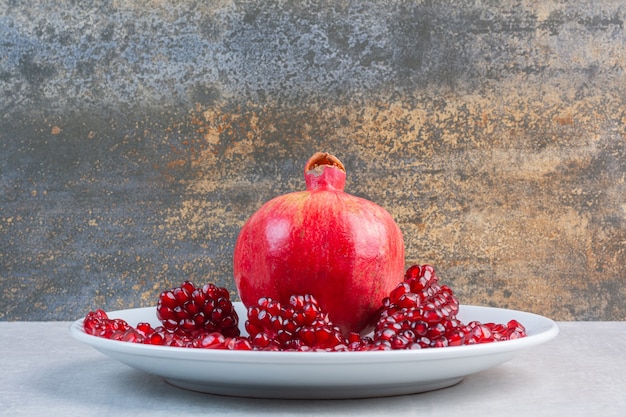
{"points": [[324, 171]]}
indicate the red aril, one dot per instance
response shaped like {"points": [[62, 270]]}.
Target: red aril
{"points": [[418, 313], [188, 309], [344, 250], [300, 325]]}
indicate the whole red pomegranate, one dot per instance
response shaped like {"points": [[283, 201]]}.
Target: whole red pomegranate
{"points": [[344, 250]]}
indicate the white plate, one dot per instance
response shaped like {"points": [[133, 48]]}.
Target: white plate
{"points": [[319, 374]]}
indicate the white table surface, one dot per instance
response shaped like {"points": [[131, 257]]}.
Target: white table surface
{"points": [[46, 372]]}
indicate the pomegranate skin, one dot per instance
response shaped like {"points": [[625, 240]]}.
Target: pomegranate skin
{"points": [[344, 250]]}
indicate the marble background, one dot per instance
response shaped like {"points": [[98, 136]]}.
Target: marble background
{"points": [[136, 137]]}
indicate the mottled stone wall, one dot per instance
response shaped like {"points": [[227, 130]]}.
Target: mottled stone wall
{"points": [[137, 137]]}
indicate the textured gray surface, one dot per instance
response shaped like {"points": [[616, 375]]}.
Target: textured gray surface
{"points": [[137, 137]]}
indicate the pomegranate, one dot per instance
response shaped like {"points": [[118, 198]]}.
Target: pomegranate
{"points": [[345, 251]]}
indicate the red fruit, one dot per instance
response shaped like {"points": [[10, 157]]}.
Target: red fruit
{"points": [[97, 323], [344, 250], [239, 343], [214, 340], [94, 323], [187, 309], [300, 325], [419, 313]]}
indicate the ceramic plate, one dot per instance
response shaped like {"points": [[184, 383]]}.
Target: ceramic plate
{"points": [[319, 374]]}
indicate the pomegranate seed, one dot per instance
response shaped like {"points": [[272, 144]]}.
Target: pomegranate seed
{"points": [[301, 325], [419, 313], [188, 309], [239, 343], [212, 340]]}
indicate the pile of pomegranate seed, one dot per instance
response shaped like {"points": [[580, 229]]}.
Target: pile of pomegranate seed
{"points": [[419, 313], [187, 309], [301, 325], [190, 316], [97, 323]]}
